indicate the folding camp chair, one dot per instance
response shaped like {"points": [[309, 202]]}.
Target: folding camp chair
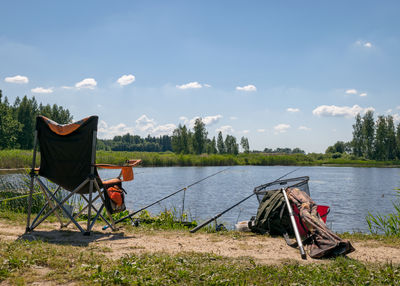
{"points": [[67, 159]]}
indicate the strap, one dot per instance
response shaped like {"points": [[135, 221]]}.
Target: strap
{"points": [[308, 240], [289, 241]]}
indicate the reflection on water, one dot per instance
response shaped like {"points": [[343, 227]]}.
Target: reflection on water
{"points": [[350, 192]]}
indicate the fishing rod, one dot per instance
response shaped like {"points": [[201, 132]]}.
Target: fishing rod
{"points": [[295, 228], [166, 197], [238, 203]]}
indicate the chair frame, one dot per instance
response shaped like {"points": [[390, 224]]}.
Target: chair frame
{"points": [[57, 205]]}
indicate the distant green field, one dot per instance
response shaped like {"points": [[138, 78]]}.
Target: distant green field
{"points": [[23, 158]]}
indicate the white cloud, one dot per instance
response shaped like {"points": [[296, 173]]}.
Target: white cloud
{"points": [[363, 94], [304, 128], [109, 132], [149, 126], [207, 85], [89, 83], [340, 111], [17, 79], [292, 109], [233, 118], [389, 111], [249, 87], [281, 128], [42, 90], [351, 91], [126, 79], [226, 129], [166, 129], [367, 45], [145, 124], [260, 130], [396, 117], [210, 120], [398, 107], [67, 87], [189, 85], [364, 44], [246, 131]]}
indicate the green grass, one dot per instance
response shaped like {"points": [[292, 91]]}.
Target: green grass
{"points": [[23, 159], [15, 159], [64, 263], [20, 260], [388, 224]]}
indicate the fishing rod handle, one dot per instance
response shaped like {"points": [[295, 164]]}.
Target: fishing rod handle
{"points": [[293, 221], [202, 225]]}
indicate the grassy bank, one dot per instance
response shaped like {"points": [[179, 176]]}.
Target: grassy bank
{"points": [[26, 262], [23, 158]]}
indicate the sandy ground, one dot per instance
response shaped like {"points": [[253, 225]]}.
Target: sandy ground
{"points": [[265, 250]]}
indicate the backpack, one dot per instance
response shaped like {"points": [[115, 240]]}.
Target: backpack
{"points": [[272, 215], [115, 198]]}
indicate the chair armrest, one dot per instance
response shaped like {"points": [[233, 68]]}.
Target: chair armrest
{"points": [[129, 163], [126, 170]]}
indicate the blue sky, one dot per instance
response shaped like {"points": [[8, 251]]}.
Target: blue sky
{"points": [[281, 73]]}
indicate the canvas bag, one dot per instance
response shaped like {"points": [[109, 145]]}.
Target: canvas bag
{"points": [[322, 242]]}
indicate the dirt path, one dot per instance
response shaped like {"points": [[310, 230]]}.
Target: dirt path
{"points": [[262, 249]]}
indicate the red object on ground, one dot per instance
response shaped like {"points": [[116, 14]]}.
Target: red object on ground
{"points": [[322, 210]]}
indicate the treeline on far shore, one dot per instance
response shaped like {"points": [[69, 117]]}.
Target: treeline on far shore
{"points": [[23, 159]]}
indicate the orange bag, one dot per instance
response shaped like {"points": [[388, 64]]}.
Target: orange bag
{"points": [[116, 195]]}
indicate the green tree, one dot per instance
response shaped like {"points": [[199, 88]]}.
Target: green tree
{"points": [[381, 152], [398, 141], [9, 126], [199, 136], [26, 115], [220, 143], [391, 138], [179, 141], [231, 146], [357, 142], [244, 142], [368, 132], [211, 146], [298, 151], [339, 147]]}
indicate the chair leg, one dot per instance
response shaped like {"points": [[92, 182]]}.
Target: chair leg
{"points": [[44, 207], [59, 205], [94, 208], [108, 213], [28, 219], [46, 191], [83, 209], [88, 228], [32, 174]]}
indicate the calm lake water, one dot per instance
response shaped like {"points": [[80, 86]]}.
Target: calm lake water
{"points": [[350, 192]]}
